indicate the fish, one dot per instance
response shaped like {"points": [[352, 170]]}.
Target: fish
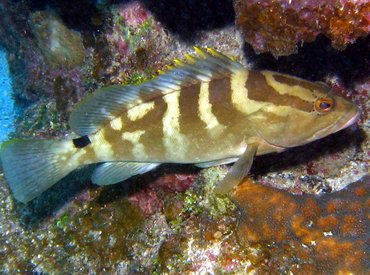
{"points": [[206, 110]]}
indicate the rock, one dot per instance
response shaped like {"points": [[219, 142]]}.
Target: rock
{"points": [[59, 45]]}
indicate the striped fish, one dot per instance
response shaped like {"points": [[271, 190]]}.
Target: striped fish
{"points": [[207, 111]]}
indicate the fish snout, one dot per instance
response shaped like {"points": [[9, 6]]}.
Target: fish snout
{"points": [[349, 118]]}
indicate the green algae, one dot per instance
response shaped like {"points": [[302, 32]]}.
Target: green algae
{"points": [[63, 221], [191, 203], [133, 35], [203, 222], [137, 79], [202, 198], [40, 119], [133, 48], [102, 233]]}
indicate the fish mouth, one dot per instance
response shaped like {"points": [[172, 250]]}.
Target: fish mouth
{"points": [[341, 123], [351, 121], [278, 148]]}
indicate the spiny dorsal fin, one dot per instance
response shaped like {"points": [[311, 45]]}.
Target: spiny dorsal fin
{"points": [[109, 102]]}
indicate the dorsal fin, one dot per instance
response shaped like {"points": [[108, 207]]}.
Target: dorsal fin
{"points": [[107, 103]]}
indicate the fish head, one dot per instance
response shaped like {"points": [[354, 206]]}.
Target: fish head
{"points": [[331, 113], [304, 111]]}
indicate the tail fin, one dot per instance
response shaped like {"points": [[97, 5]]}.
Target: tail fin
{"points": [[32, 166]]}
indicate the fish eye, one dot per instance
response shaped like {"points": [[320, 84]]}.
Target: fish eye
{"points": [[323, 105]]}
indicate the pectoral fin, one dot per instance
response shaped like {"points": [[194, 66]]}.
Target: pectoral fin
{"points": [[114, 172], [238, 171]]}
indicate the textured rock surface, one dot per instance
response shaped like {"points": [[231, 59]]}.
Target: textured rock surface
{"points": [[59, 45], [280, 26]]}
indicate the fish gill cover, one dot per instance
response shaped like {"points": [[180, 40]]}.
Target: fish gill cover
{"points": [[6, 101]]}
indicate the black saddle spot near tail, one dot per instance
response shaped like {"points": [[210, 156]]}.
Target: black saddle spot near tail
{"points": [[81, 142]]}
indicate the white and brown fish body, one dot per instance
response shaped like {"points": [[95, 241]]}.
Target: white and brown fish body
{"points": [[206, 112]]}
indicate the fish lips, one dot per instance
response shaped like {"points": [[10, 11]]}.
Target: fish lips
{"points": [[343, 122], [351, 121]]}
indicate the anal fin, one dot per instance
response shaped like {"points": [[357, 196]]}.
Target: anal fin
{"points": [[215, 162], [114, 172], [238, 171]]}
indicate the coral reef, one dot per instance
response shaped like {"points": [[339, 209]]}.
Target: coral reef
{"points": [[137, 46], [307, 233], [278, 26], [169, 220], [202, 238], [40, 50]]}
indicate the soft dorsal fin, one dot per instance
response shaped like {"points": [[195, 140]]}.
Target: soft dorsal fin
{"points": [[107, 103]]}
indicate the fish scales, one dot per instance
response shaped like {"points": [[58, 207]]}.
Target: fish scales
{"points": [[174, 121], [261, 90], [207, 111], [179, 119]]}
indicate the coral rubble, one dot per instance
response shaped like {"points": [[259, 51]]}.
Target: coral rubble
{"points": [[278, 26]]}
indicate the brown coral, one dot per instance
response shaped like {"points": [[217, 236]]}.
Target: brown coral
{"points": [[322, 233], [277, 26]]}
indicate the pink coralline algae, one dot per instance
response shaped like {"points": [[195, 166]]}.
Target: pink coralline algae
{"points": [[135, 43], [175, 182], [65, 86], [277, 26], [134, 14], [149, 200]]}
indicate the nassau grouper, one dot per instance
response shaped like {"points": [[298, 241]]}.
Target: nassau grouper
{"points": [[207, 111]]}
